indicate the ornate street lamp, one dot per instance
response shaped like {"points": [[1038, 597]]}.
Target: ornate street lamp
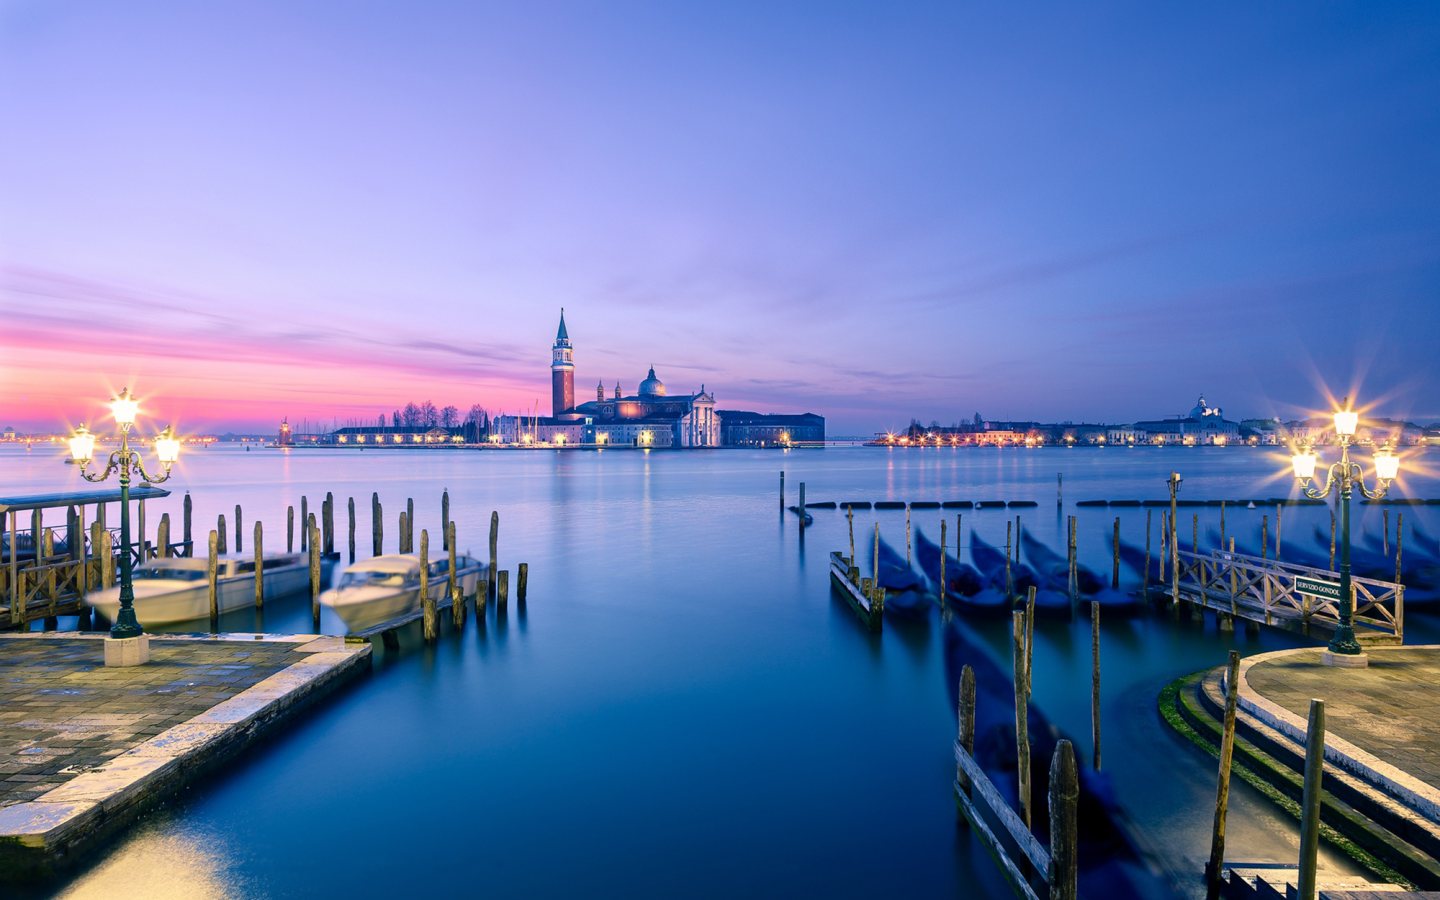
{"points": [[124, 460], [1345, 476]]}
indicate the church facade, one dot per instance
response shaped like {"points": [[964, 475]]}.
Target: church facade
{"points": [[651, 417]]}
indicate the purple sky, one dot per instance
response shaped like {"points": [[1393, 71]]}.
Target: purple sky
{"points": [[249, 210]]}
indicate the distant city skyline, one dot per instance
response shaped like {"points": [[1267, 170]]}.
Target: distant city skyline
{"points": [[324, 210]]}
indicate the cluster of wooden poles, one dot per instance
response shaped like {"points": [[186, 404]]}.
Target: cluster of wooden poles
{"points": [[1309, 799], [317, 538]]}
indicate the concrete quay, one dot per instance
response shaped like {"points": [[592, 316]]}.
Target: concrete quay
{"points": [[85, 749]]}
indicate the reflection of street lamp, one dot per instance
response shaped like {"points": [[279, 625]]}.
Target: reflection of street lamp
{"points": [[1344, 650], [82, 448]]}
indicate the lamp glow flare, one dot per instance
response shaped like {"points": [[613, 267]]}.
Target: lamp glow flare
{"points": [[1345, 476], [125, 461]]}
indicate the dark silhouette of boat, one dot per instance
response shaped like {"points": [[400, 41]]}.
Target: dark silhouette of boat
{"points": [[1055, 569], [905, 593], [966, 589], [1113, 860]]}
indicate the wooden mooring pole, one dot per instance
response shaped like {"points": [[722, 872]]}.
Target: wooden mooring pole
{"points": [[494, 547], [238, 547], [1059, 489], [457, 600], [1009, 587], [1115, 552], [329, 523], [907, 537], [1095, 680], [1310, 799], [1145, 588], [220, 533], [502, 591], [162, 536], [259, 567], [289, 529], [1222, 524], [967, 724], [850, 520], [445, 518], [304, 523], [403, 548], [1265, 537], [1213, 871], [427, 603], [1022, 701], [377, 525], [409, 525], [801, 507], [943, 582], [350, 505], [1064, 823], [210, 575], [876, 591], [189, 544], [782, 495], [1279, 528], [314, 539], [1399, 542], [522, 583]]}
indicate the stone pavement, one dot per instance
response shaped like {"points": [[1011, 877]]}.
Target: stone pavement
{"points": [[63, 713], [1390, 710]]}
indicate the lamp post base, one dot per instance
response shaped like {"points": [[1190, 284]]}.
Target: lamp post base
{"points": [[1345, 660], [127, 651]]}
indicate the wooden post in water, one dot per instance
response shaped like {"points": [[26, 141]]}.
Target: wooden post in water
{"points": [[943, 582], [427, 603], [289, 529], [1222, 524], [1399, 542], [403, 548], [1279, 528], [876, 591], [1145, 588], [445, 517], [409, 525], [220, 530], [189, 544], [1222, 789], [457, 599], [1310, 800], [1009, 589], [1195, 536], [1059, 489], [314, 539], [482, 596], [502, 591], [1174, 482], [1264, 537], [162, 536], [211, 577], [304, 523], [238, 547], [494, 547], [1022, 736], [259, 568], [522, 583], [1164, 544], [329, 525], [1115, 548], [850, 520], [377, 525], [782, 495], [801, 507], [967, 724], [1095, 679], [350, 505], [1074, 565], [1064, 823], [907, 536]]}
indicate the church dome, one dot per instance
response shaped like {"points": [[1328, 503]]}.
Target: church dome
{"points": [[652, 386]]}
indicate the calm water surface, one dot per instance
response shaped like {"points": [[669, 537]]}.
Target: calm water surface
{"points": [[683, 708]]}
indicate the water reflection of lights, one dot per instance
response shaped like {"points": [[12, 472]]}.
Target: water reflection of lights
{"points": [[156, 865]]}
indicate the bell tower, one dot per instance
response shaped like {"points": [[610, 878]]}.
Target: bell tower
{"points": [[562, 372]]}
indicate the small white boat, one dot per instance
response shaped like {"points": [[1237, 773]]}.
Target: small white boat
{"points": [[385, 587], [176, 589]]}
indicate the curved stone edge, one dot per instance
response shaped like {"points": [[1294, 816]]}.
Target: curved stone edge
{"points": [[1399, 784], [58, 827]]}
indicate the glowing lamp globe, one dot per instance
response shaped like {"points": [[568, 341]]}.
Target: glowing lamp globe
{"points": [[125, 409], [1304, 464], [1387, 464], [1346, 422], [82, 445], [167, 447]]}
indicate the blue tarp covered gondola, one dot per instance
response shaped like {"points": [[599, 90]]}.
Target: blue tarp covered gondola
{"points": [[967, 590], [904, 590]]}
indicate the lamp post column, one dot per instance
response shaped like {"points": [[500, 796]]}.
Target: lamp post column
{"points": [[126, 625], [1344, 641]]}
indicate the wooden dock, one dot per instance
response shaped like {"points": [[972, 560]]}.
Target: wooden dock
{"points": [[857, 591]]}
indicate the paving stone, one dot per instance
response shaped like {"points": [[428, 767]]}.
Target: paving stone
{"points": [[51, 734]]}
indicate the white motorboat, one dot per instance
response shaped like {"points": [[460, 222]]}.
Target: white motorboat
{"points": [[385, 587], [176, 589]]}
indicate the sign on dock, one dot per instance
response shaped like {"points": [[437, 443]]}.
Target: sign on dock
{"points": [[1327, 589]]}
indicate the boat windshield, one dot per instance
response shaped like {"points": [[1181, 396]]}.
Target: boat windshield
{"points": [[169, 574], [372, 579]]}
